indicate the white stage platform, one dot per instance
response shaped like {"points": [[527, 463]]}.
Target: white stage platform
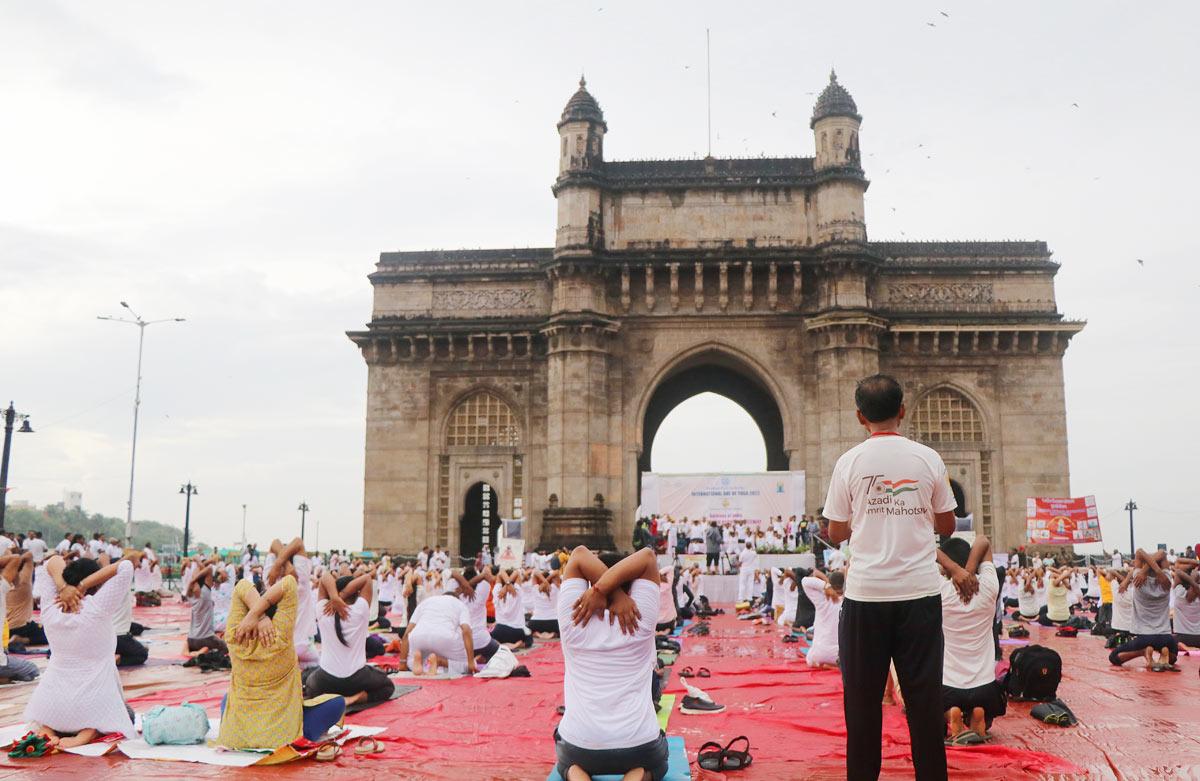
{"points": [[720, 589]]}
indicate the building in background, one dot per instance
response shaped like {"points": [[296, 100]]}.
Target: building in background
{"points": [[536, 379], [72, 500]]}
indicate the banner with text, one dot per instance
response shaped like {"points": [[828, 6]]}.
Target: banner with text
{"points": [[751, 497], [1062, 521]]}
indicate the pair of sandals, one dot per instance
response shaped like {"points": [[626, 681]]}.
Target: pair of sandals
{"points": [[1018, 631], [367, 745], [1159, 667], [714, 756], [687, 672]]}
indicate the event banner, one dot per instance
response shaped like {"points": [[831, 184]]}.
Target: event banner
{"points": [[509, 553], [1062, 521], [751, 497]]}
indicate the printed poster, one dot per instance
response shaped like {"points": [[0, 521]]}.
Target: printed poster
{"points": [[509, 553], [1062, 521]]}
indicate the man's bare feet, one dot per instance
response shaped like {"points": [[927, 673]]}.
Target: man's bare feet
{"points": [[356, 698], [979, 722], [954, 717]]}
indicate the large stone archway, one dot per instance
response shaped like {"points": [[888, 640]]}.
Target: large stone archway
{"points": [[753, 278], [714, 371]]}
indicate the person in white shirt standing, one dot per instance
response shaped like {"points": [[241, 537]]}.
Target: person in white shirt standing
{"points": [[607, 616], [747, 564], [971, 697], [888, 496], [36, 546]]}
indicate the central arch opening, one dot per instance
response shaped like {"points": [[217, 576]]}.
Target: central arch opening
{"points": [[708, 433], [480, 521], [691, 388]]}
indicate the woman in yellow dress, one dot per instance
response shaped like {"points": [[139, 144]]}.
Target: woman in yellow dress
{"points": [[264, 708]]}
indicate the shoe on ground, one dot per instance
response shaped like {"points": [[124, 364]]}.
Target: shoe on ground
{"points": [[696, 706]]}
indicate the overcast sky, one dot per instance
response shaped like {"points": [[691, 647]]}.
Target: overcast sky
{"points": [[242, 165]]}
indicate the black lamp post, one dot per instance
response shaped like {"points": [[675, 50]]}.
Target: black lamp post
{"points": [[1130, 507], [189, 490], [303, 508], [10, 418]]}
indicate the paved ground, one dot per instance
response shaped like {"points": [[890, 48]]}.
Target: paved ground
{"points": [[1133, 724]]}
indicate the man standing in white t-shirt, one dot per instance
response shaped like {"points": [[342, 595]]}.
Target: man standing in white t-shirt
{"points": [[36, 546], [747, 564], [606, 616], [888, 496]]}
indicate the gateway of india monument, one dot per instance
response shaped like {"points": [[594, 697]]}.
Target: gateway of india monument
{"points": [[530, 383]]}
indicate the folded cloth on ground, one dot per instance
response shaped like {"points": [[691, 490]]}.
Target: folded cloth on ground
{"points": [[501, 665]]}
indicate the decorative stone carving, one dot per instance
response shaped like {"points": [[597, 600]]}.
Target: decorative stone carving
{"points": [[502, 299], [940, 293]]}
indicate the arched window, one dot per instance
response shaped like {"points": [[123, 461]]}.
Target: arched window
{"points": [[945, 415], [483, 419]]}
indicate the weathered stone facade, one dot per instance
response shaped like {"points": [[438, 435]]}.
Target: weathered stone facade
{"points": [[546, 372]]}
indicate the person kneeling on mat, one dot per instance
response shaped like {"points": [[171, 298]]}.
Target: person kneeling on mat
{"points": [[971, 697], [607, 618], [344, 614], [439, 634]]}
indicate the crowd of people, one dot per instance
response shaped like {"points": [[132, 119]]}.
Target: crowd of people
{"points": [[909, 613]]}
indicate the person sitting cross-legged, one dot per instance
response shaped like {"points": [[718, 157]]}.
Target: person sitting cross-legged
{"points": [[970, 695], [344, 610], [606, 616], [1151, 616]]}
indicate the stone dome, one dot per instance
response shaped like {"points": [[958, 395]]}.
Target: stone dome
{"points": [[834, 101], [582, 107]]}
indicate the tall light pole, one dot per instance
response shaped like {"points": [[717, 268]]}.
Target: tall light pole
{"points": [[303, 508], [1130, 507], [11, 416], [189, 490], [137, 401], [243, 528]]}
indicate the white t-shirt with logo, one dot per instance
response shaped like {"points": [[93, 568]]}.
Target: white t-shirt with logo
{"points": [[888, 488], [606, 683], [342, 661], [970, 656]]}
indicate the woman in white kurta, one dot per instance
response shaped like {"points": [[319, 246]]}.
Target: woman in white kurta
{"points": [[80, 689]]}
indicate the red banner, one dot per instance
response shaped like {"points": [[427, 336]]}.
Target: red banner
{"points": [[1062, 521]]}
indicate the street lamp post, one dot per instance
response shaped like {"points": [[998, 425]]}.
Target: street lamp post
{"points": [[190, 491], [137, 401], [10, 418], [303, 508], [1130, 507], [243, 528]]}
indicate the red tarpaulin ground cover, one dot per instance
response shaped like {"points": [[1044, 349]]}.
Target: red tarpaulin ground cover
{"points": [[1133, 723]]}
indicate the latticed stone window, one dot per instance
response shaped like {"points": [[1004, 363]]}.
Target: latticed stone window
{"points": [[945, 416], [483, 419]]}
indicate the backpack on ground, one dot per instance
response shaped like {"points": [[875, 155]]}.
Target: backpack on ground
{"points": [[1034, 674]]}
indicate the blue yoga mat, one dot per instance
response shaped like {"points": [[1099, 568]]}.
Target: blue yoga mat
{"points": [[678, 768]]}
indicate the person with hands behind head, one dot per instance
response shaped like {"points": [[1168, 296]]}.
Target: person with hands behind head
{"points": [[607, 616], [264, 708], [439, 634], [971, 696], [79, 696], [473, 590], [343, 669]]}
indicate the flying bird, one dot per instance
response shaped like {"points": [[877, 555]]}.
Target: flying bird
{"points": [[1141, 262], [943, 13], [930, 24], [773, 114], [1076, 105], [893, 208]]}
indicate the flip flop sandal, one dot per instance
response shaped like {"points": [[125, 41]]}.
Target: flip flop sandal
{"points": [[735, 759], [1173, 668], [368, 745], [703, 672], [328, 753], [711, 756], [686, 672], [1158, 668], [965, 738]]}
